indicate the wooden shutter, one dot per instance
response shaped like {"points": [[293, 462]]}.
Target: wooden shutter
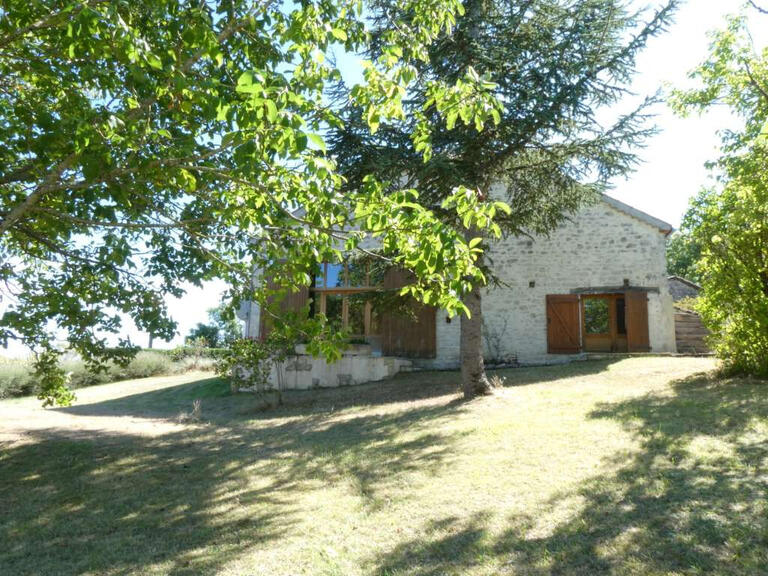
{"points": [[291, 302], [563, 334], [637, 322], [405, 335]]}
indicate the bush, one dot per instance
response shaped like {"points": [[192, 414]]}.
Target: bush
{"points": [[734, 300], [17, 377], [182, 352], [248, 364]]}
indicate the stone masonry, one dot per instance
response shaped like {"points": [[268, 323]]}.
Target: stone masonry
{"points": [[600, 246]]}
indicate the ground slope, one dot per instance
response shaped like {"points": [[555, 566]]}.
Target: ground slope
{"points": [[640, 466]]}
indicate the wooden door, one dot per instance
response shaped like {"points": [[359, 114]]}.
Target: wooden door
{"points": [[637, 322], [563, 324]]}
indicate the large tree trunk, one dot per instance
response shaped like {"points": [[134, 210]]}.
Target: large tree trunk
{"points": [[473, 378]]}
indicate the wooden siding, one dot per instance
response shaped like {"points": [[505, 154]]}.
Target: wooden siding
{"points": [[411, 335], [291, 302], [690, 333]]}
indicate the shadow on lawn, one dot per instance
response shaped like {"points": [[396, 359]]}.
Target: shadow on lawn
{"points": [[693, 500], [189, 502], [221, 406]]}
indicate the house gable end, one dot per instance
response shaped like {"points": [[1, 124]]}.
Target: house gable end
{"points": [[660, 225]]}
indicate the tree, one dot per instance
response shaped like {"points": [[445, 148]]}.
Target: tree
{"points": [[206, 332], [222, 328], [730, 222], [554, 65], [684, 252], [155, 142]]}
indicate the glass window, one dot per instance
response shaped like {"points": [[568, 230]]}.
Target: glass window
{"points": [[334, 275], [358, 272], [320, 276], [621, 319], [356, 315], [376, 271], [375, 327], [334, 306], [341, 291], [596, 316]]}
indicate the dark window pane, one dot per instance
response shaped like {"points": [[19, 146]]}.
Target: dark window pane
{"points": [[375, 327], [376, 272], [357, 270], [333, 309], [621, 320], [320, 276], [596, 316], [356, 316], [334, 276]]}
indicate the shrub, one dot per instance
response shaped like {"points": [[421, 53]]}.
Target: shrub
{"points": [[248, 363], [183, 352], [734, 300], [16, 379]]}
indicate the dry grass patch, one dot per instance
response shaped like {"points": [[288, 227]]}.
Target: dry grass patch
{"points": [[642, 466]]}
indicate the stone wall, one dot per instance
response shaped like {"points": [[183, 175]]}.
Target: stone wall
{"points": [[681, 288], [303, 372], [601, 246]]}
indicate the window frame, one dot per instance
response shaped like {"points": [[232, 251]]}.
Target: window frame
{"points": [[320, 294]]}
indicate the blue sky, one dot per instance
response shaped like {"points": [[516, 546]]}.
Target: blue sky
{"points": [[672, 168]]}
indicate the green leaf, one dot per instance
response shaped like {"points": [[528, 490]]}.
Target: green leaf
{"points": [[318, 141], [247, 83], [154, 61], [301, 141]]}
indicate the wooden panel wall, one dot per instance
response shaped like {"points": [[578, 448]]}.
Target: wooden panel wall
{"points": [[406, 335], [690, 333], [291, 302]]}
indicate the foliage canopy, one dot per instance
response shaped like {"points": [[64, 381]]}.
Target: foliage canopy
{"points": [[156, 142], [730, 221], [554, 144]]}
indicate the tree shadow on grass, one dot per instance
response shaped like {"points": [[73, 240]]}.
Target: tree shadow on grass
{"points": [[222, 406], [191, 501], [531, 375], [692, 500]]}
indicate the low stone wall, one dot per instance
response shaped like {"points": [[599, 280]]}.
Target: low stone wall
{"points": [[356, 366]]}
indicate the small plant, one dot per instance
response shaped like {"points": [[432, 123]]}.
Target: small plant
{"points": [[196, 414], [494, 342], [53, 380], [497, 381], [248, 364]]}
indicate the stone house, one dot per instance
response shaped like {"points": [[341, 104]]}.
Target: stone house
{"points": [[681, 288], [598, 283]]}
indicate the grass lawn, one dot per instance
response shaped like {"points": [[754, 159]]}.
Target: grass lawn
{"points": [[639, 466]]}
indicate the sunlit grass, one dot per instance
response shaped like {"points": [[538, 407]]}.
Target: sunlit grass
{"points": [[643, 466]]}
